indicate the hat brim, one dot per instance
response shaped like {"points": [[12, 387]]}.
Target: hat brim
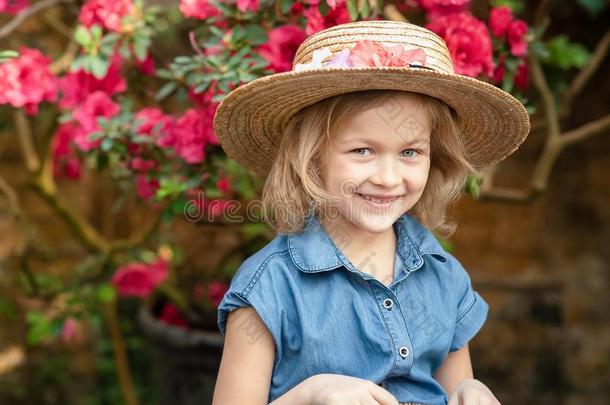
{"points": [[249, 121]]}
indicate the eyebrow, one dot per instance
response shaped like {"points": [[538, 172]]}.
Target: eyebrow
{"points": [[415, 141]]}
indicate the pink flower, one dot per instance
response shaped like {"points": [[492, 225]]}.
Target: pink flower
{"points": [[143, 165], [515, 34], [223, 184], [282, 46], [97, 104], [65, 160], [437, 8], [156, 124], [468, 41], [147, 66], [370, 53], [216, 291], [248, 5], [522, 81], [146, 187], [76, 86], [140, 279], [192, 132], [13, 6], [200, 9], [26, 81], [499, 18], [316, 22], [107, 13], [171, 315], [71, 331]]}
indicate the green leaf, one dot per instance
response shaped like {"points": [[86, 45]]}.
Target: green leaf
{"points": [[285, 6], [8, 54], [565, 54], [167, 89], [352, 8], [106, 292], [106, 144], [82, 36], [96, 32], [256, 34], [99, 67], [516, 5], [593, 7]]}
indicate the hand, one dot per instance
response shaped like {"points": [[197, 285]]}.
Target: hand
{"points": [[472, 392], [336, 389]]}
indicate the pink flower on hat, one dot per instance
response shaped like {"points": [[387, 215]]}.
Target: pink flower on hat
{"points": [[371, 53]]}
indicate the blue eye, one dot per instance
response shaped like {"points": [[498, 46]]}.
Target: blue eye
{"points": [[412, 154], [360, 149]]}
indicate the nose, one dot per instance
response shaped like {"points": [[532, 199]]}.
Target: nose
{"points": [[387, 173]]}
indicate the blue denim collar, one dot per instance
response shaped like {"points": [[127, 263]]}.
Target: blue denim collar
{"points": [[313, 250]]}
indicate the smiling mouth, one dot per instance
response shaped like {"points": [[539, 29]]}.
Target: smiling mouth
{"points": [[378, 201]]}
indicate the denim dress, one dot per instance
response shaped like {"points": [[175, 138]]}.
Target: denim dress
{"points": [[327, 316]]}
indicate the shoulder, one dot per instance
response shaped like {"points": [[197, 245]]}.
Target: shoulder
{"points": [[273, 255]]}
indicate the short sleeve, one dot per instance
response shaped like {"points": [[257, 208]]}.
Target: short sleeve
{"points": [[472, 309], [248, 288]]}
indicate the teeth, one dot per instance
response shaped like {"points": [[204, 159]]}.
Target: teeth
{"points": [[375, 200]]}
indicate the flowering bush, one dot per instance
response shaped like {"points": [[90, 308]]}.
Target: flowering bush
{"points": [[124, 104]]}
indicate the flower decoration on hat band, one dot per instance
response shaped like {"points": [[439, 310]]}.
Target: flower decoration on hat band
{"points": [[366, 53]]}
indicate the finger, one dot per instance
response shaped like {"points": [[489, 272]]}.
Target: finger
{"points": [[382, 396], [453, 399]]}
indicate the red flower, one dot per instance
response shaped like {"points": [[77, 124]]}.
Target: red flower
{"points": [[515, 34], [192, 132], [146, 187], [107, 13], [216, 291], [223, 184], [522, 81], [71, 331], [65, 159], [248, 5], [499, 18], [437, 8], [282, 46], [316, 22], [97, 104], [370, 53], [13, 6], [200, 9], [468, 41], [76, 86], [26, 81], [171, 315], [140, 279]]}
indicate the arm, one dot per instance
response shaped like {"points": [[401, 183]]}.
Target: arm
{"points": [[456, 376], [456, 368], [247, 361]]}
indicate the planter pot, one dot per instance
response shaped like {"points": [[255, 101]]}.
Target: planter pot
{"points": [[186, 361]]}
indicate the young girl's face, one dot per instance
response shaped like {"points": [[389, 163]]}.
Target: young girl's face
{"points": [[382, 151]]}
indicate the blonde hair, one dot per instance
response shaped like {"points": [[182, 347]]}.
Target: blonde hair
{"points": [[294, 189]]}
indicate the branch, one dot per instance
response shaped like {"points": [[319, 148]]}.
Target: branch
{"points": [[24, 136], [27, 13], [581, 79], [590, 129], [391, 13], [548, 101]]}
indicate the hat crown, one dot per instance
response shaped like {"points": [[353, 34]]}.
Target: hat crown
{"points": [[387, 33]]}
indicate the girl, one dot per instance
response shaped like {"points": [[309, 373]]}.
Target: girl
{"points": [[363, 145]]}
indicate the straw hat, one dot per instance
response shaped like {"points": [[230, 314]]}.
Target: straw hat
{"points": [[250, 119]]}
